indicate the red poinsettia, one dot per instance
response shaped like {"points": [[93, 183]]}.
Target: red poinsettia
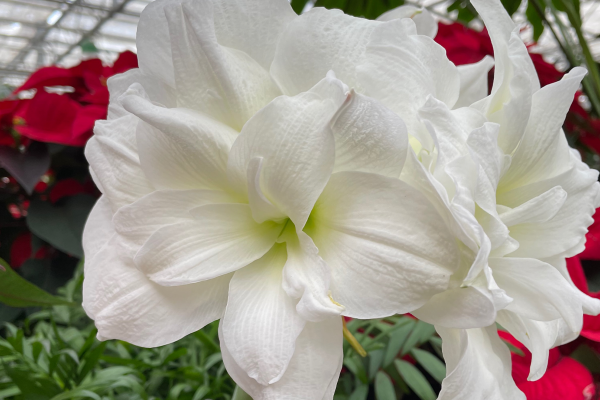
{"points": [[67, 118], [21, 250], [565, 378], [591, 324], [466, 46]]}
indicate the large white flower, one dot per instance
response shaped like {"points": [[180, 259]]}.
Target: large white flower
{"points": [[504, 168], [250, 172]]}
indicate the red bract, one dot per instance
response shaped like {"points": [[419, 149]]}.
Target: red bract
{"points": [[466, 46], [565, 378], [68, 118], [21, 250], [65, 188], [7, 115]]}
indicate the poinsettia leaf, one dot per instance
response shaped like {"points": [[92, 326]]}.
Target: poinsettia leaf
{"points": [[61, 226], [15, 291], [26, 167]]}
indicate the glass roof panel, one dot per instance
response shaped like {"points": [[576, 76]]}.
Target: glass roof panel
{"points": [[36, 33]]}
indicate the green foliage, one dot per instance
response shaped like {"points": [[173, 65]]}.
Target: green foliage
{"points": [[18, 292], [389, 341], [534, 17], [55, 356], [61, 226], [360, 8], [511, 6]]}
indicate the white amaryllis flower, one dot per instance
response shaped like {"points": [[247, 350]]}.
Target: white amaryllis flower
{"points": [[504, 169], [244, 180]]}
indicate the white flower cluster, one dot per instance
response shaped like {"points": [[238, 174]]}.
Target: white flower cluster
{"points": [[278, 172]]}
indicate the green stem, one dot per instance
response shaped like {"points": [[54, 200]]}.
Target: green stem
{"points": [[591, 82], [239, 394]]}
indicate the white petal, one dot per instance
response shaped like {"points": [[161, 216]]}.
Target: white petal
{"points": [[118, 170], [158, 92], [125, 305], [474, 81], [538, 290], [223, 238], [312, 371], [137, 221], [426, 24], [153, 43], [319, 41], [515, 81], [292, 136], [388, 249], [491, 163], [180, 148], [478, 365], [448, 133], [98, 228], [307, 277], [461, 307], [544, 152], [501, 28], [402, 69], [225, 83], [262, 209], [369, 137], [563, 233], [261, 324], [537, 210], [538, 336], [252, 26]]}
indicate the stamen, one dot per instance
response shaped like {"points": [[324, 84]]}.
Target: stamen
{"points": [[352, 340]]}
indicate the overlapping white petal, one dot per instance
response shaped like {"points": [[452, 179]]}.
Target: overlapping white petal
{"points": [[221, 238], [366, 222], [478, 365]]}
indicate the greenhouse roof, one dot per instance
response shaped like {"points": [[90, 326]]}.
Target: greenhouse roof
{"points": [[34, 33]]}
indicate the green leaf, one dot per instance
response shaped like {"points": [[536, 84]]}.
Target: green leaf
{"points": [[384, 388], [415, 380], [535, 20], [61, 226], [32, 387], [298, 5], [17, 292], [397, 340], [558, 4], [420, 334], [90, 361], [430, 363], [511, 6], [375, 361], [588, 357], [360, 393]]}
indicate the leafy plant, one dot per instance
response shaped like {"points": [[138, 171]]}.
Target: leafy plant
{"points": [[55, 355]]}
